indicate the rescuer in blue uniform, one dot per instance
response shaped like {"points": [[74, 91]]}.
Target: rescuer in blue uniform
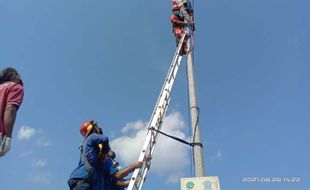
{"points": [[90, 171], [114, 173]]}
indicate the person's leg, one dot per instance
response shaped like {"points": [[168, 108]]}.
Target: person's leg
{"points": [[184, 48], [83, 186], [79, 184], [72, 183]]}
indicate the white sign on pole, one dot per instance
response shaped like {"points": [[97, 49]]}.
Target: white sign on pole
{"points": [[200, 183]]}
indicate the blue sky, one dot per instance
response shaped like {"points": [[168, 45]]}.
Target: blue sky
{"points": [[106, 60]]}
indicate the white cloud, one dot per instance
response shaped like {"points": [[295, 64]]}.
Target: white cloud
{"points": [[26, 154], [40, 177], [171, 158], [217, 156], [128, 147], [219, 153], [40, 163], [26, 133], [134, 127], [43, 142]]}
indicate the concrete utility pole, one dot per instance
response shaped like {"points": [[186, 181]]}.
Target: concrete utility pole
{"points": [[194, 111]]}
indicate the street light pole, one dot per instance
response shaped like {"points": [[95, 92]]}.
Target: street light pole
{"points": [[194, 112]]}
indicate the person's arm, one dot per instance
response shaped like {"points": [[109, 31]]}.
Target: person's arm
{"points": [[94, 140], [122, 173], [181, 23], [122, 183], [9, 119], [177, 22]]}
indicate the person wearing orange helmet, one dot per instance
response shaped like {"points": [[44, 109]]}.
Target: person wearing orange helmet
{"points": [[88, 175], [11, 98], [182, 17]]}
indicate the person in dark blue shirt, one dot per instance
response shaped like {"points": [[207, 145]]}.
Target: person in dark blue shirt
{"points": [[88, 175], [117, 184], [114, 174]]}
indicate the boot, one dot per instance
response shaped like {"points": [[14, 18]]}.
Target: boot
{"points": [[183, 50]]}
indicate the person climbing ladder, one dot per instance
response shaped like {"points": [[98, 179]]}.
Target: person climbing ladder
{"points": [[181, 18]]}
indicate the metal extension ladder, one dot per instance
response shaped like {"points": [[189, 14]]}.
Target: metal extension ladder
{"points": [[156, 120]]}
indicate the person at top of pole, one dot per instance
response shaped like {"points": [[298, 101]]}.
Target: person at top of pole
{"points": [[178, 26], [186, 10]]}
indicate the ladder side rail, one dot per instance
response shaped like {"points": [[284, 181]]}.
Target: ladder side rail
{"points": [[161, 105], [177, 53], [149, 147], [163, 91], [170, 71], [152, 148], [147, 150]]}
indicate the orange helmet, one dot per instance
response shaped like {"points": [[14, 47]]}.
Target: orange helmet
{"points": [[87, 127]]}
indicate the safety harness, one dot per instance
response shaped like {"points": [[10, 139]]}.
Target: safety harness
{"points": [[87, 165]]}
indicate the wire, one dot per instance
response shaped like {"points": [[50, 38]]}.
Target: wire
{"points": [[192, 34]]}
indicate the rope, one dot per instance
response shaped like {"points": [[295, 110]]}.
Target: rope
{"points": [[192, 144]]}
